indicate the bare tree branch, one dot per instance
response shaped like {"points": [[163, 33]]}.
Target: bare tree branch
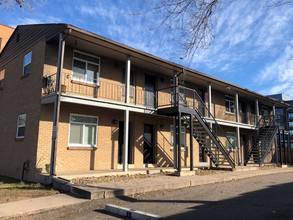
{"points": [[191, 21], [19, 3]]}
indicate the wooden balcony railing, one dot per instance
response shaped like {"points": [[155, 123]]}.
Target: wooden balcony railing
{"points": [[93, 88]]}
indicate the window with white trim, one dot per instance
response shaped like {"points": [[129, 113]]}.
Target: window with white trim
{"points": [[229, 103], [86, 67], [231, 142], [183, 136], [27, 64], [21, 119], [83, 131]]}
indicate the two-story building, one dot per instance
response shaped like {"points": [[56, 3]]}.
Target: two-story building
{"points": [[73, 100]]}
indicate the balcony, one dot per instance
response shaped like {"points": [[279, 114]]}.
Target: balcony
{"points": [[103, 89], [189, 98]]}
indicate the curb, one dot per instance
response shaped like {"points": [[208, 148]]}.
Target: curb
{"points": [[130, 213]]}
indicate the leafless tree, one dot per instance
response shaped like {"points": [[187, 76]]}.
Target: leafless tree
{"points": [[18, 3], [193, 20]]}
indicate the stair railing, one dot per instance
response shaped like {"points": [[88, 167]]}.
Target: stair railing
{"points": [[217, 130], [262, 122]]}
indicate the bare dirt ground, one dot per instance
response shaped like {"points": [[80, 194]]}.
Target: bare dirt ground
{"points": [[116, 178]]}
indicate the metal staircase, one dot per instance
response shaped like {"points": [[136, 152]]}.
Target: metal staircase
{"points": [[263, 139], [207, 135]]}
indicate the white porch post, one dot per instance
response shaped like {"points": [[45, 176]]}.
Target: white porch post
{"points": [[256, 111], [61, 50], [126, 116], [210, 99], [238, 129]]}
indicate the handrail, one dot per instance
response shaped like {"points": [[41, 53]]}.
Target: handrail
{"points": [[255, 136], [218, 127]]}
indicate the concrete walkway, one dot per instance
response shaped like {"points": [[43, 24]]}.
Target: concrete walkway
{"points": [[113, 189]]}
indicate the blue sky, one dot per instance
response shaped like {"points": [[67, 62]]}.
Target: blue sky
{"points": [[253, 45]]}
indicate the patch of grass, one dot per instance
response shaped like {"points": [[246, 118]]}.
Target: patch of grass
{"points": [[13, 190]]}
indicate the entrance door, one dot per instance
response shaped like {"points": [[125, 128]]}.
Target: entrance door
{"points": [[150, 89], [148, 146], [120, 144]]}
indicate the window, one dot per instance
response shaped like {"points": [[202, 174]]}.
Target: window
{"points": [[291, 124], [183, 143], [86, 68], [27, 64], [229, 102], [290, 115], [83, 130], [20, 126], [231, 142]]}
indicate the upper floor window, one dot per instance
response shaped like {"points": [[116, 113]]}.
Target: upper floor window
{"points": [[86, 68], [229, 103], [290, 115], [83, 131], [21, 119], [27, 64]]}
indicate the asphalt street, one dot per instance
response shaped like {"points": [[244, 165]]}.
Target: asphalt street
{"points": [[264, 197]]}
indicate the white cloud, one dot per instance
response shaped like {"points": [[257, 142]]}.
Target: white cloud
{"points": [[277, 77]]}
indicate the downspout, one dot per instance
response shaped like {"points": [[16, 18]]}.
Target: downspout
{"points": [[61, 49]]}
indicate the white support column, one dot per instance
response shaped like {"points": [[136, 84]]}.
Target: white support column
{"points": [[256, 111], [210, 99], [274, 114], [125, 144], [238, 145], [238, 129], [237, 107], [61, 51], [126, 116], [127, 80]]}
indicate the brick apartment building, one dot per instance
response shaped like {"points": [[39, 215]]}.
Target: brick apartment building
{"points": [[69, 94]]}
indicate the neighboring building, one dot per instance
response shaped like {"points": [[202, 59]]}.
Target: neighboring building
{"points": [[285, 120], [171, 111], [5, 33]]}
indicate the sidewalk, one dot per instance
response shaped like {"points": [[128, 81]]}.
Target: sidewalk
{"points": [[113, 189]]}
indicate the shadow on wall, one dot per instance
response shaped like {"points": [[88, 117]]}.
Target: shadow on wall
{"points": [[163, 152], [114, 138]]}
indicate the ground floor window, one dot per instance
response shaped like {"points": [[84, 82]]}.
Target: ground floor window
{"points": [[183, 136], [231, 142], [83, 130]]}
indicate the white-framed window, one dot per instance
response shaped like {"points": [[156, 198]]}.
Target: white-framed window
{"points": [[183, 136], [231, 142], [21, 119], [83, 130], [27, 64], [86, 67], [229, 103]]}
